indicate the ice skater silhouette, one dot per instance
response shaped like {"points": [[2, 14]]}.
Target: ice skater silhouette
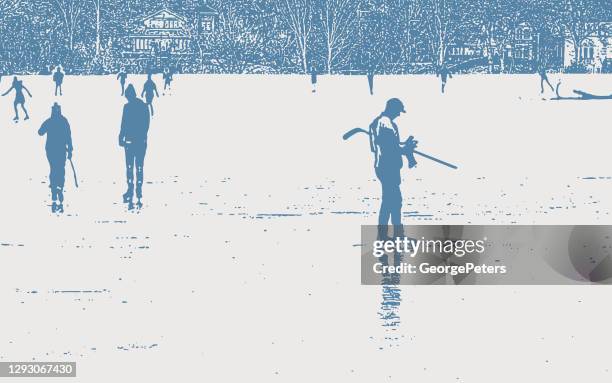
{"points": [[371, 81], [122, 76], [149, 91], [58, 79], [388, 152], [544, 78], [313, 78], [19, 97], [58, 148], [167, 78], [133, 138], [444, 75]]}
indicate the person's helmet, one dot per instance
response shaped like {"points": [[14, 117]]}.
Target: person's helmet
{"points": [[395, 105]]}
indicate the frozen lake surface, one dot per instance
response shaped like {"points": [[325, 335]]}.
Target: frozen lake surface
{"points": [[243, 264]]}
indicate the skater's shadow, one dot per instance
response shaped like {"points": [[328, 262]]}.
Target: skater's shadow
{"points": [[581, 95]]}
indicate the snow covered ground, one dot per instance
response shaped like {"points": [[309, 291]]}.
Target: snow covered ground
{"points": [[243, 264]]}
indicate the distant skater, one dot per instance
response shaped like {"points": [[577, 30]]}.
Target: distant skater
{"points": [[58, 149], [167, 79], [544, 78], [19, 98], [313, 78], [133, 138], [149, 91], [371, 81], [58, 79], [122, 76], [444, 75]]}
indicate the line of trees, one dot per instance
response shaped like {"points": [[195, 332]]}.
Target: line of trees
{"points": [[289, 36]]}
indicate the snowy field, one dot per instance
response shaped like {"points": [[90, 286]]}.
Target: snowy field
{"points": [[242, 265]]}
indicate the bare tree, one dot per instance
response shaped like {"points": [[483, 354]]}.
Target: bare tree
{"points": [[411, 16], [236, 46], [9, 6], [338, 19], [574, 22], [495, 22], [70, 13], [442, 22], [299, 18], [97, 4]]}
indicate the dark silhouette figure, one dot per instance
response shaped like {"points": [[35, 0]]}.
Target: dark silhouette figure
{"points": [[313, 78], [58, 79], [19, 97], [122, 76], [149, 91], [544, 78], [167, 78], [133, 138], [580, 95], [371, 81], [58, 148], [444, 75], [388, 152]]}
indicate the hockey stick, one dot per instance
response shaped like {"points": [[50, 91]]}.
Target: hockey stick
{"points": [[352, 132], [76, 181]]}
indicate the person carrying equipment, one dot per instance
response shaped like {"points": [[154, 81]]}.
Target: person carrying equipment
{"points": [[58, 148]]}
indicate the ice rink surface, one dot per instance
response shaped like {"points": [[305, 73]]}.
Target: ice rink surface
{"points": [[243, 264]]}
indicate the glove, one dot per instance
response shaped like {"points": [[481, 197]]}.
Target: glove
{"points": [[409, 147]]}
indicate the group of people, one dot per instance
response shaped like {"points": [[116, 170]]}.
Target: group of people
{"points": [[19, 88], [149, 90], [443, 72], [133, 134], [385, 142]]}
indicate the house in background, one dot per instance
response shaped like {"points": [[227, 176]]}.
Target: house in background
{"points": [[595, 50], [458, 53], [165, 36], [162, 32], [207, 19], [521, 49]]}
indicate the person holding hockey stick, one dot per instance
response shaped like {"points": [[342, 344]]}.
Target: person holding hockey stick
{"points": [[388, 161], [58, 148]]}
